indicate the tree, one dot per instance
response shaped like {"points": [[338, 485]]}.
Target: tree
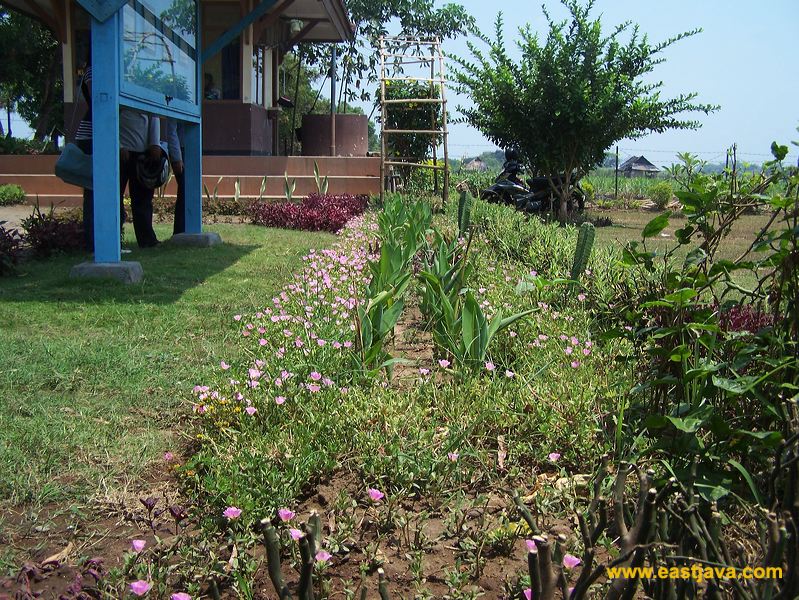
{"points": [[360, 58], [572, 95], [30, 72]]}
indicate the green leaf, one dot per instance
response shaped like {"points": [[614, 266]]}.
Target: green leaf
{"points": [[748, 478], [656, 225], [778, 151]]}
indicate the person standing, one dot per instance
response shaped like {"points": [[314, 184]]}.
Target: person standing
{"points": [[174, 136], [139, 136]]}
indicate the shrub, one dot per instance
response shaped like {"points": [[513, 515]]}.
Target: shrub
{"points": [[315, 213], [13, 145], [661, 194], [589, 191], [47, 233], [10, 242], [11, 193]]}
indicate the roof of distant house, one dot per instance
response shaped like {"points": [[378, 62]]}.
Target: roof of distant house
{"points": [[638, 163]]}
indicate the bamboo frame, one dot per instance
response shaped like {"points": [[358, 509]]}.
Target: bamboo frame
{"points": [[398, 50]]}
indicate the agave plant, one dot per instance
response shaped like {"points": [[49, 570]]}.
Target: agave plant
{"points": [[288, 187], [322, 183], [461, 330], [374, 323]]}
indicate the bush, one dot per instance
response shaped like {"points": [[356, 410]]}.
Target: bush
{"points": [[47, 234], [11, 193], [12, 145], [661, 194], [10, 242], [317, 212]]}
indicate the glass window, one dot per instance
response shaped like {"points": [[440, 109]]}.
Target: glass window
{"points": [[159, 47]]}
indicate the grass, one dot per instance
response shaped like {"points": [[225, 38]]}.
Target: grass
{"points": [[628, 224], [93, 371]]}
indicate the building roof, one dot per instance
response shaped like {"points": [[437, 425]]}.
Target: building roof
{"points": [[476, 164], [638, 163], [324, 20]]}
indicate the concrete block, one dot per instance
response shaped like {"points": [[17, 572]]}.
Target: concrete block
{"points": [[201, 240], [126, 271]]}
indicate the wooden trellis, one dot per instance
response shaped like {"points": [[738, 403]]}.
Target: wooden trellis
{"points": [[396, 54]]}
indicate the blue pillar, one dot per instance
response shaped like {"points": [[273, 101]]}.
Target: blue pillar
{"points": [[105, 138], [193, 164]]}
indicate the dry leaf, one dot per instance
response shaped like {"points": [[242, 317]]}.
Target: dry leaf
{"points": [[61, 556]]}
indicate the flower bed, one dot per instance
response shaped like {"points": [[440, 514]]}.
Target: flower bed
{"points": [[317, 212]]}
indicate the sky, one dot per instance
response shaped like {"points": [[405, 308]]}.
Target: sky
{"points": [[745, 59]]}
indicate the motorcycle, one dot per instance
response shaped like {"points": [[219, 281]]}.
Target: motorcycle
{"points": [[533, 196]]}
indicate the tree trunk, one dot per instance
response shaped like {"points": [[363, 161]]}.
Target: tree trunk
{"points": [[49, 100], [564, 192]]}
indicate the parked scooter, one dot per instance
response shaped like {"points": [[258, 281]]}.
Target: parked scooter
{"points": [[533, 196]]}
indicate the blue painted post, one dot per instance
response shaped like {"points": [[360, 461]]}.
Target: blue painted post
{"points": [[105, 138], [193, 165]]}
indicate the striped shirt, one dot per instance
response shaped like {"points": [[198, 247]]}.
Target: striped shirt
{"points": [[84, 131]]}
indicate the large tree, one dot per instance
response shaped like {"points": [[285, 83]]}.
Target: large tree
{"points": [[360, 59], [30, 72], [571, 95]]}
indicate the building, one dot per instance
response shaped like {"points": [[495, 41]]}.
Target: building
{"points": [[241, 85], [475, 164], [638, 166], [243, 43]]}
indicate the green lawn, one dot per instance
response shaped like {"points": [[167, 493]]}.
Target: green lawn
{"points": [[94, 372], [628, 224]]}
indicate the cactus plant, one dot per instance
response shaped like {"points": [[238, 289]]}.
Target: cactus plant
{"points": [[585, 242], [464, 214]]}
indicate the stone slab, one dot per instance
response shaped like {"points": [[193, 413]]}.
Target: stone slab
{"points": [[125, 271], [201, 240]]}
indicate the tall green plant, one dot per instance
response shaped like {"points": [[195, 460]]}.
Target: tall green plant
{"points": [[570, 95], [322, 183]]}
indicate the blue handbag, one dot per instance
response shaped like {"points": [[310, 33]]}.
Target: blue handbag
{"points": [[75, 166]]}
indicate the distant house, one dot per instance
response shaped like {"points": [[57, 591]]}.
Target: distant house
{"points": [[638, 166], [475, 164]]}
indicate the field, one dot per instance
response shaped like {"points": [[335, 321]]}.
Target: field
{"points": [[324, 408]]}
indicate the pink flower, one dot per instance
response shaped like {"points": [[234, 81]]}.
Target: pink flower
{"points": [[231, 512], [138, 545], [531, 547], [237, 318], [510, 374], [424, 371], [295, 534], [490, 366], [254, 373], [586, 351], [528, 594], [569, 349], [444, 363], [375, 495], [262, 342], [285, 514], [581, 297], [251, 410], [312, 387], [224, 365], [575, 364], [279, 400], [453, 456], [140, 587], [180, 596], [570, 561], [553, 456], [323, 556], [168, 456], [316, 376]]}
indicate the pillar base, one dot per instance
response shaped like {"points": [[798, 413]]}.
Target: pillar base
{"points": [[202, 240], [126, 272]]}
